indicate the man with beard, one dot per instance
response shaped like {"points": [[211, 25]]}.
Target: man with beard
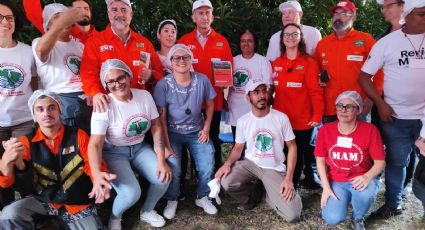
{"points": [[401, 55], [265, 131], [340, 56], [118, 41], [81, 31], [58, 59], [52, 166]]}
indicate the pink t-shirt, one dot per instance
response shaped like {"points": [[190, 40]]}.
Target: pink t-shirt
{"points": [[350, 155]]}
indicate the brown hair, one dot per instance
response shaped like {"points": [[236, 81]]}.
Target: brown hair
{"points": [[301, 45]]}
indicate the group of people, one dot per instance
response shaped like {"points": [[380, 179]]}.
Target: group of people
{"points": [[84, 131]]}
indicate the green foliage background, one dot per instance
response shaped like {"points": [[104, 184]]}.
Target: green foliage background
{"points": [[232, 17]]}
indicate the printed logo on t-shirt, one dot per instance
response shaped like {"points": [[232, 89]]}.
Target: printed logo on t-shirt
{"points": [[11, 76], [136, 125], [241, 78], [73, 63], [263, 140], [359, 43], [346, 158]]}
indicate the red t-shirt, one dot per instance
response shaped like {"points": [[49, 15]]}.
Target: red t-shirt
{"points": [[350, 155]]}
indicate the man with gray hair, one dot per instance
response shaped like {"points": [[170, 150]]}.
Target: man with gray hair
{"points": [[292, 13], [118, 41], [50, 164], [402, 57], [58, 59]]}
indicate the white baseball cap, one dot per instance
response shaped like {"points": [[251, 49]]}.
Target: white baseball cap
{"points": [[200, 3], [253, 84], [291, 4], [410, 5], [127, 2]]}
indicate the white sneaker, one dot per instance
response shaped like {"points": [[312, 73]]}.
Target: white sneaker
{"points": [[170, 209], [207, 205], [114, 224], [152, 218]]}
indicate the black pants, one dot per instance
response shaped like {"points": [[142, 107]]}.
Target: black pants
{"points": [[304, 155], [234, 140], [214, 133]]}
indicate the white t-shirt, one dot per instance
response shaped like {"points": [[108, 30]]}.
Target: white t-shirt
{"points": [[61, 72], [258, 67], [265, 138], [17, 66], [311, 37], [125, 123], [404, 75]]}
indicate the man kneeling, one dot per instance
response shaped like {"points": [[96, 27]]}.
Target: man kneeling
{"points": [[265, 131], [51, 165]]}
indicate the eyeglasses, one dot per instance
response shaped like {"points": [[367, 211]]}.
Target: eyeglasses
{"points": [[348, 107], [176, 59], [9, 18], [342, 14], [386, 7], [121, 80], [291, 35]]}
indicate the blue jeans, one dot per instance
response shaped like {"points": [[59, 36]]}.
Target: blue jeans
{"points": [[75, 111], [121, 160], [203, 156], [335, 211], [399, 138]]}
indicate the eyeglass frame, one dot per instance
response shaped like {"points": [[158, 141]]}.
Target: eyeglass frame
{"points": [[9, 18], [177, 59], [385, 7], [120, 80], [344, 14], [292, 35], [348, 107]]}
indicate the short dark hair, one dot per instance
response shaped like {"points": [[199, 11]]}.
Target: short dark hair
{"points": [[301, 46], [16, 13], [253, 35], [70, 2]]}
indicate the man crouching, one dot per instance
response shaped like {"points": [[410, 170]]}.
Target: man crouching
{"points": [[51, 166], [265, 131]]}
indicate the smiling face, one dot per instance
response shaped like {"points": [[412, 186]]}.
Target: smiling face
{"points": [[7, 28], [247, 44], [47, 112], [291, 37], [120, 15], [118, 83], [181, 62], [167, 35]]}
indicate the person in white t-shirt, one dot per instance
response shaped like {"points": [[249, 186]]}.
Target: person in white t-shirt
{"points": [[246, 66], [401, 55], [58, 59], [17, 74], [265, 131], [119, 133], [292, 13]]}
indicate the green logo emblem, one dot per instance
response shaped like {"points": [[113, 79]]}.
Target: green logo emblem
{"points": [[11, 76], [240, 78], [359, 43], [263, 141], [136, 125], [73, 62]]}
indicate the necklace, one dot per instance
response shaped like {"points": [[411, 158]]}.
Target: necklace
{"points": [[188, 89], [349, 132], [417, 52]]}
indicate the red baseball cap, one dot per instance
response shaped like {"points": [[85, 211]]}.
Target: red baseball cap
{"points": [[344, 4]]}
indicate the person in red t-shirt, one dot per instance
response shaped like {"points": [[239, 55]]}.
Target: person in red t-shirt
{"points": [[298, 95], [352, 151]]}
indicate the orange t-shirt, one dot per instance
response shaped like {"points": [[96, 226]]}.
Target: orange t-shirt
{"points": [[216, 47], [82, 140], [343, 59], [106, 45], [297, 90]]}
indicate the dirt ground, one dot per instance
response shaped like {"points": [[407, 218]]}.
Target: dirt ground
{"points": [[262, 217]]}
